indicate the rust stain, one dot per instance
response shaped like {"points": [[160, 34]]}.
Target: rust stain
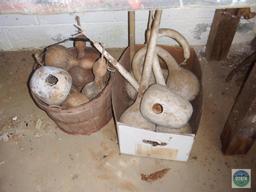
{"points": [[155, 175]]}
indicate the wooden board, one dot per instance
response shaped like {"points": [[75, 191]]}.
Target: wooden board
{"points": [[131, 19], [222, 32], [240, 130]]}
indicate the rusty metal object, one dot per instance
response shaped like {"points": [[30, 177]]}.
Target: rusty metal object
{"points": [[51, 84], [86, 118]]}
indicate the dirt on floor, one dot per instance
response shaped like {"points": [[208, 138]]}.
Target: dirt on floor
{"points": [[36, 156]]}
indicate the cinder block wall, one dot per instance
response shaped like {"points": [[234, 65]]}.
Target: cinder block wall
{"points": [[110, 28]]}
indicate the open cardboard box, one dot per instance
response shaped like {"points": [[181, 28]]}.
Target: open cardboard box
{"points": [[141, 142]]}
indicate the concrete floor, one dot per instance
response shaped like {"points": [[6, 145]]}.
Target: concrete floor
{"points": [[36, 156]]}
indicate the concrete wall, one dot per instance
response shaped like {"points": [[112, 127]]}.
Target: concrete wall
{"points": [[35, 31]]}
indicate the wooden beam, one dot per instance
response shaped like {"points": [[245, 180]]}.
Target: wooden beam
{"points": [[240, 129], [222, 32], [131, 19]]}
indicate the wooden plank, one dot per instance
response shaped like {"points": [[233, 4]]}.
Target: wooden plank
{"points": [[222, 32], [131, 19], [240, 129], [246, 63]]}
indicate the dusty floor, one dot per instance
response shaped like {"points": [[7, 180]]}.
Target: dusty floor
{"points": [[36, 156]]}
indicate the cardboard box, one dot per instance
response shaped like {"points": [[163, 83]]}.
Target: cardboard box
{"points": [[147, 143]]}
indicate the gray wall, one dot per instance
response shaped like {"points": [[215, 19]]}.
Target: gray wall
{"points": [[35, 31]]}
